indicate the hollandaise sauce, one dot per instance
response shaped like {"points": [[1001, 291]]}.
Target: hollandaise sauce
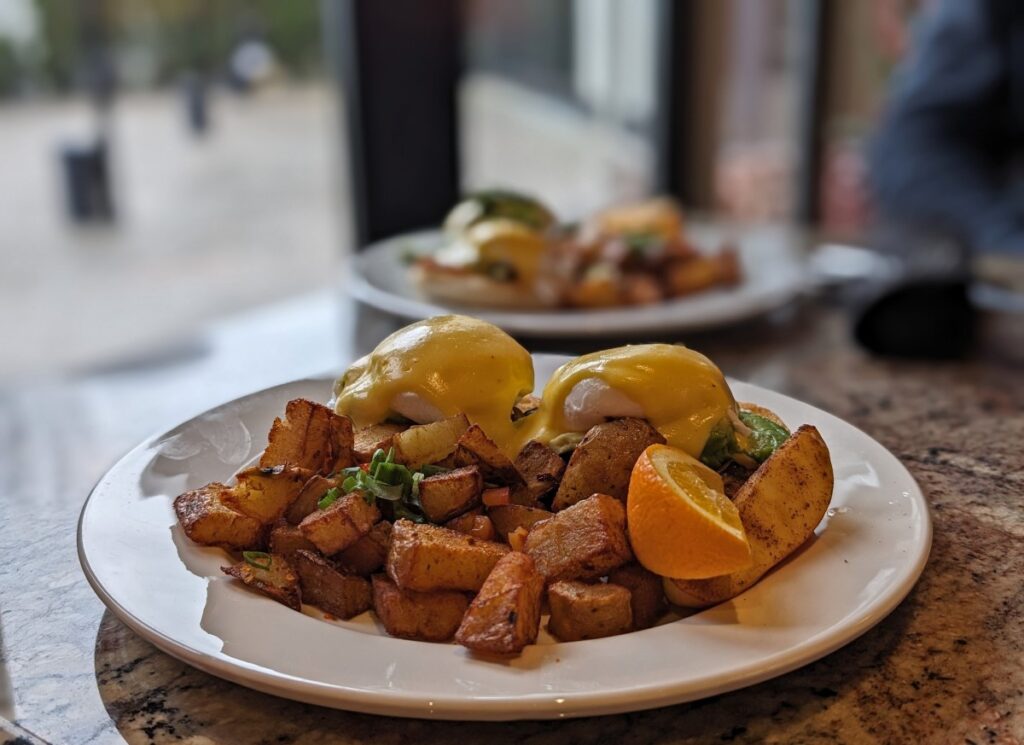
{"points": [[455, 364], [681, 392]]}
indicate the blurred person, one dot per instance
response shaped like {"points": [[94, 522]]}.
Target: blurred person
{"points": [[948, 152]]}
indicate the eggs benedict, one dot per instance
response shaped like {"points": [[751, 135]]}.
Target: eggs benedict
{"points": [[437, 368], [680, 392]]}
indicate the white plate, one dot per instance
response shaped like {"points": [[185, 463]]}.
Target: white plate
{"points": [[867, 555], [773, 267]]}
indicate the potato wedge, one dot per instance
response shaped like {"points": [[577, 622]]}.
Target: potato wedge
{"points": [[449, 494], [647, 596], [508, 517], [585, 541], [368, 554], [540, 467], [584, 611], [427, 616], [277, 580], [429, 443], [330, 589], [306, 503], [340, 525], [780, 505], [428, 557], [368, 440], [207, 520], [604, 460], [266, 493], [310, 436], [504, 617]]}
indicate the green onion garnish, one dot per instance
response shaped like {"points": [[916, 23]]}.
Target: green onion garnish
{"points": [[329, 498], [258, 559]]}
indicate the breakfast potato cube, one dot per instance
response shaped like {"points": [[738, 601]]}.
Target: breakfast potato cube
{"points": [[780, 505], [429, 443], [266, 493], [647, 596], [583, 611], [276, 579], [603, 461], [207, 520], [525, 406], [312, 492], [585, 541], [475, 524], [508, 517], [477, 449], [330, 589], [448, 494], [367, 555], [540, 467], [312, 437], [340, 525], [504, 617], [428, 557], [427, 616], [368, 440], [286, 539]]}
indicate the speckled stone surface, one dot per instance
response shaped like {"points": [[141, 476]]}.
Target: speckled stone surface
{"points": [[946, 667]]}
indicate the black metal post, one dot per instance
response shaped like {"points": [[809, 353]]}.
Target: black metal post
{"points": [[398, 64]]}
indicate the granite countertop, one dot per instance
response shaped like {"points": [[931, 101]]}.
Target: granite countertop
{"points": [[946, 667]]}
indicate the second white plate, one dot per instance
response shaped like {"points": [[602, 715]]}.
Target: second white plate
{"points": [[774, 274]]}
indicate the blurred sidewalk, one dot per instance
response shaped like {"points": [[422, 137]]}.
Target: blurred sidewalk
{"points": [[248, 214]]}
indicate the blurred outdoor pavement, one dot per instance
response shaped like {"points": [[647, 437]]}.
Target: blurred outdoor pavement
{"points": [[205, 225]]}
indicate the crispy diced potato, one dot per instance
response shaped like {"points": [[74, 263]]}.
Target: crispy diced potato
{"points": [[583, 611], [474, 524], [692, 275], [368, 440], [207, 520], [286, 539], [266, 493], [647, 596], [603, 461], [540, 467], [504, 617], [598, 290], [508, 517], [477, 449], [332, 590], [340, 525], [428, 557], [585, 541], [779, 506], [368, 554], [517, 539], [525, 406], [449, 494], [311, 436], [427, 616], [312, 492], [277, 580], [429, 443]]}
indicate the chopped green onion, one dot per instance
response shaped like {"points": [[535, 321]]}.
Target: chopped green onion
{"points": [[258, 559], [329, 498]]}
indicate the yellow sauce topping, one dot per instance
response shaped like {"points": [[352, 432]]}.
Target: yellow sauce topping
{"points": [[455, 363], [463, 365], [681, 391]]}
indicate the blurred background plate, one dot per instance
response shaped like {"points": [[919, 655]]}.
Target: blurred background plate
{"points": [[774, 270]]}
